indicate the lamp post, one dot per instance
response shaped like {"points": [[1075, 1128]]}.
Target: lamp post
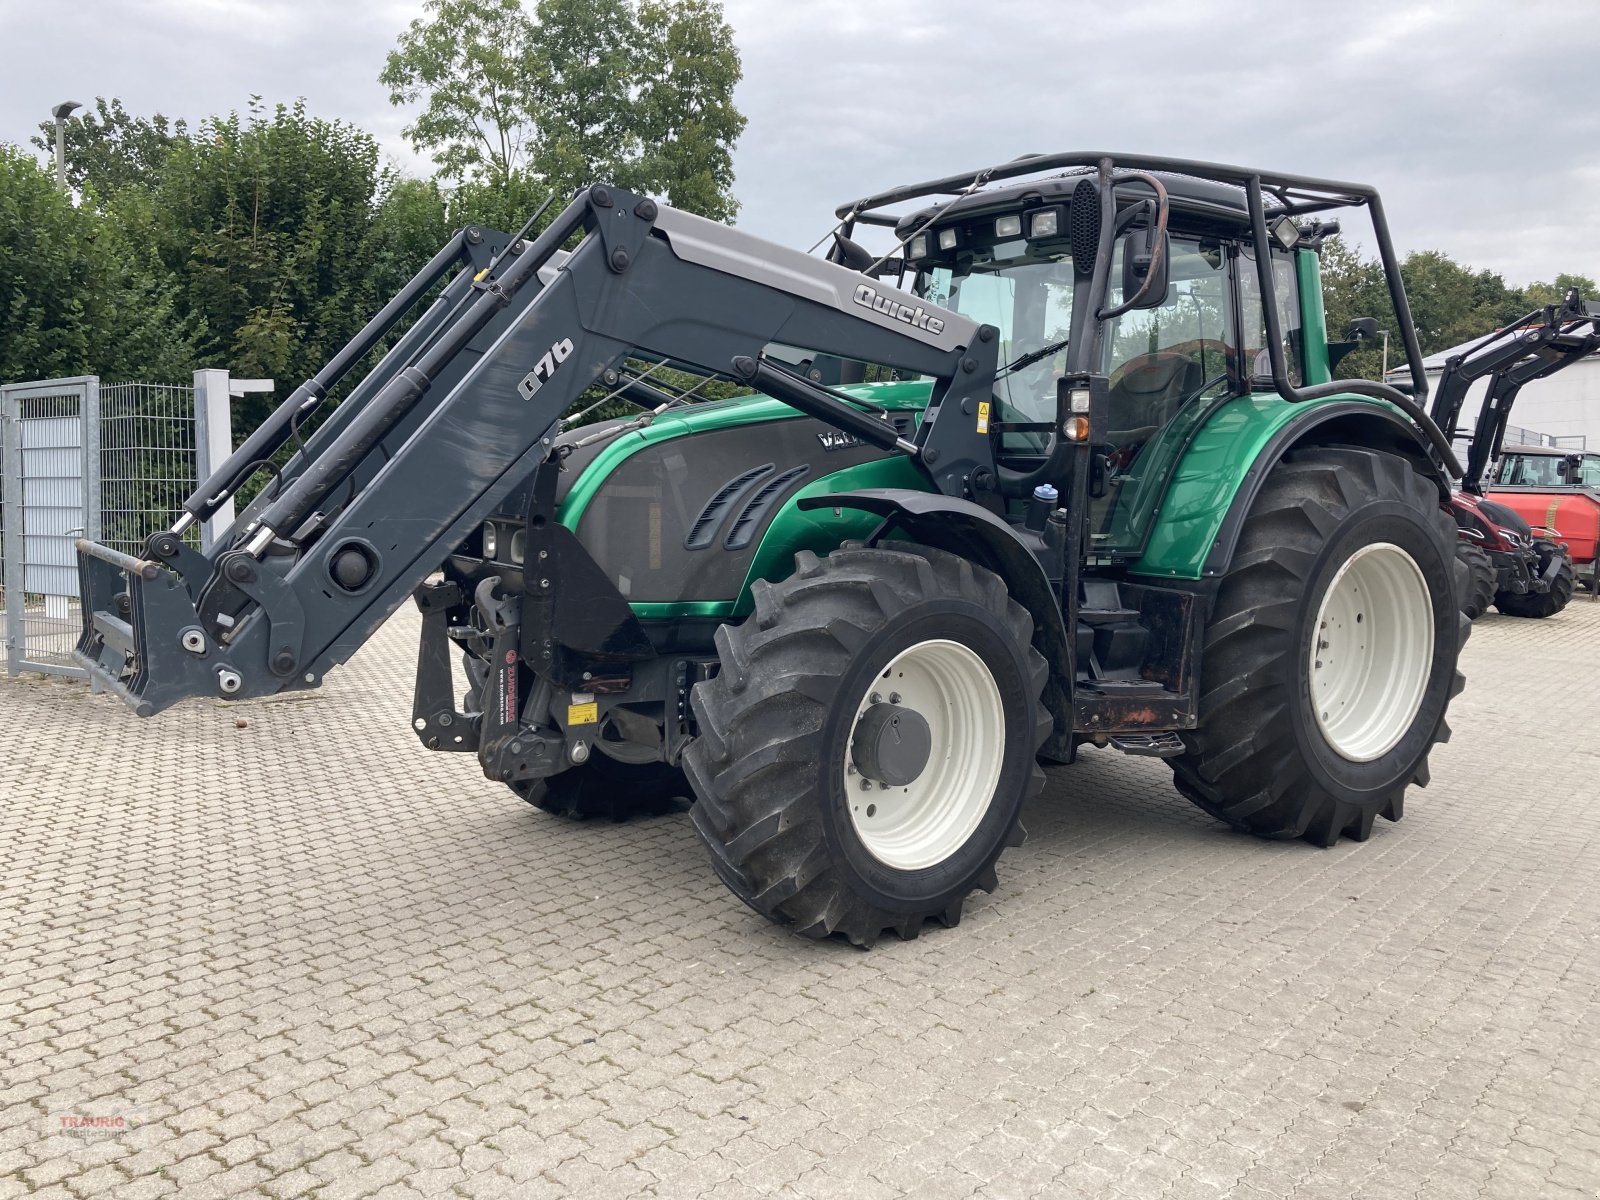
{"points": [[61, 112]]}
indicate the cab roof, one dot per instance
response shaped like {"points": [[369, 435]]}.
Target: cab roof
{"points": [[1207, 199]]}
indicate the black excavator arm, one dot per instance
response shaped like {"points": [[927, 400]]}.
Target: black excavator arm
{"points": [[466, 406]]}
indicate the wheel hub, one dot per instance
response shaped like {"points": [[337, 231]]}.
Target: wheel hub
{"points": [[891, 744], [924, 755], [1371, 652]]}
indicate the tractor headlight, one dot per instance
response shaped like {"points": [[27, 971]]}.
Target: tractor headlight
{"points": [[919, 246], [1010, 226], [519, 546], [490, 541], [1046, 223], [947, 239]]}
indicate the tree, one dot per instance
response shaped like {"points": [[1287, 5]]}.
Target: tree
{"points": [[633, 92], [77, 295], [468, 60], [108, 149], [1450, 303], [279, 232], [46, 274], [1554, 293], [584, 66], [688, 122]]}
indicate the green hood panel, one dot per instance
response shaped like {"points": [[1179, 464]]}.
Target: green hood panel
{"points": [[819, 530], [720, 414], [790, 530]]}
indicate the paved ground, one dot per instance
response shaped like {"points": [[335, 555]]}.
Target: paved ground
{"points": [[308, 957]]}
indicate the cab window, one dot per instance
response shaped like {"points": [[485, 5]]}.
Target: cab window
{"points": [[1161, 359], [1253, 335]]}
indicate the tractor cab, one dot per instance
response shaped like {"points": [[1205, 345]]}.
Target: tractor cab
{"points": [[1547, 467], [1182, 331]]}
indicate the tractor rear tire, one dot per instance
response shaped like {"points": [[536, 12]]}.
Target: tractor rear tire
{"points": [[1313, 719], [1479, 594], [610, 790], [805, 826], [1542, 604]]}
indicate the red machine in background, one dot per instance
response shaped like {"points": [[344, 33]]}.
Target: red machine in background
{"points": [[1519, 543], [1558, 490]]}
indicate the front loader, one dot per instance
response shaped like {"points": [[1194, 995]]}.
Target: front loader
{"points": [[1524, 570], [1068, 468]]}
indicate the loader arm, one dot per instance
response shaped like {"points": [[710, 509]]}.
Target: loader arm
{"points": [[466, 407], [1538, 345]]}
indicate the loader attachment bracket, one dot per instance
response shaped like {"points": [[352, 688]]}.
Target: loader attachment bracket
{"points": [[575, 623], [123, 597]]}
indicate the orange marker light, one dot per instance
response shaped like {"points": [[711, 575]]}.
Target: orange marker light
{"points": [[1075, 429]]}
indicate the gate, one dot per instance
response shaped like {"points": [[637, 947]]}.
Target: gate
{"points": [[108, 461], [51, 456]]}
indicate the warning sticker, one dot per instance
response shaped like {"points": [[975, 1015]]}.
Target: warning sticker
{"points": [[583, 714], [983, 416]]}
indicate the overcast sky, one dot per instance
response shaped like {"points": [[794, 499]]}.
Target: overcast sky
{"points": [[1478, 122]]}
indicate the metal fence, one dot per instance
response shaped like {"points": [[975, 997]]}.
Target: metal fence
{"points": [[51, 467], [147, 460], [112, 462]]}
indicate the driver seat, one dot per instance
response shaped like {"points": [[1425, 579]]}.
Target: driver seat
{"points": [[1148, 389]]}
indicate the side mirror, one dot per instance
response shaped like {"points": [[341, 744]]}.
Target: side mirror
{"points": [[1363, 329], [1139, 257], [851, 255], [1571, 467]]}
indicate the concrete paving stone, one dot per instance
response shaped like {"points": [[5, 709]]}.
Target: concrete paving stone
{"points": [[332, 960]]}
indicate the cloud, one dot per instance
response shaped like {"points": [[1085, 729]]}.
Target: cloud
{"points": [[1472, 118]]}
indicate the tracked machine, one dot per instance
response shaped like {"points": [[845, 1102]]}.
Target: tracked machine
{"points": [[1068, 468]]}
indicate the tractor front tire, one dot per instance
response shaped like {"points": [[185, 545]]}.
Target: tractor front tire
{"points": [[866, 748], [1330, 655], [1479, 594], [1542, 604]]}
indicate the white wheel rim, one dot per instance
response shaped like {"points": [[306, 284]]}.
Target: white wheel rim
{"points": [[1371, 652], [923, 823]]}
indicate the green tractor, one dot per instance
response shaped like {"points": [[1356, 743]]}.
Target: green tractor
{"points": [[1069, 467]]}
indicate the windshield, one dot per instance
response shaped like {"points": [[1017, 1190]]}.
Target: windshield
{"points": [[1158, 358], [1164, 365], [1029, 300], [1547, 470]]}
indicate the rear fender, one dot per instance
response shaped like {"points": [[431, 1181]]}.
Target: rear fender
{"points": [[975, 533], [1196, 532]]}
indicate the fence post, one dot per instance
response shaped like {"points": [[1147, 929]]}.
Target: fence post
{"points": [[213, 442], [11, 568]]}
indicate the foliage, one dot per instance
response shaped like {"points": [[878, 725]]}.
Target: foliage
{"points": [[467, 59], [283, 234], [107, 149], [76, 296], [637, 93], [1450, 303]]}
